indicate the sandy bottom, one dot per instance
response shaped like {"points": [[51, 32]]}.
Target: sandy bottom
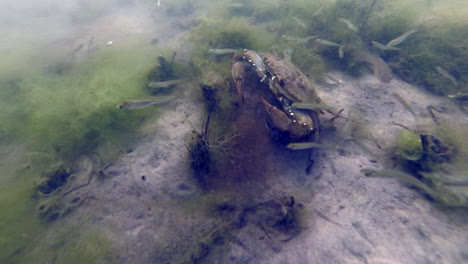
{"points": [[150, 206], [344, 216]]}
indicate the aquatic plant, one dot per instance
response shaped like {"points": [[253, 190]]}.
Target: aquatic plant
{"points": [[439, 194], [168, 68], [432, 45], [235, 33], [410, 145], [433, 163], [73, 112], [68, 244], [17, 226]]}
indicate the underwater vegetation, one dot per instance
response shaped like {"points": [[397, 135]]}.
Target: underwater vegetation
{"points": [[72, 112], [274, 221], [168, 72], [17, 225], [408, 39], [66, 110], [359, 26], [55, 116], [213, 33], [68, 245], [433, 164], [213, 142]]}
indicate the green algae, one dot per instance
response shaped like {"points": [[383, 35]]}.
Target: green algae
{"points": [[235, 33], [17, 223], [73, 112], [89, 247], [433, 45], [434, 163], [60, 115], [410, 145], [68, 244]]}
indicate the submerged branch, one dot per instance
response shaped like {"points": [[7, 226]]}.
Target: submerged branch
{"points": [[369, 11]]}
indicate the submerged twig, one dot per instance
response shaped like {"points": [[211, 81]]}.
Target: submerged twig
{"points": [[369, 11], [429, 109], [337, 115], [80, 186], [403, 126], [89, 44], [172, 58]]}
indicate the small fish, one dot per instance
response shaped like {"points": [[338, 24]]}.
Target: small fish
{"points": [[404, 103], [403, 177], [163, 85], [220, 52], [329, 81], [297, 40], [447, 75], [348, 24], [319, 11], [333, 78], [383, 47], [341, 52], [377, 64], [459, 96], [401, 38], [308, 145], [109, 43], [158, 4], [327, 43], [438, 195], [364, 148], [312, 106], [236, 5], [77, 48], [299, 22], [141, 103]]}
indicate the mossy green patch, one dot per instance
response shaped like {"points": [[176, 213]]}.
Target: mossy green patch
{"points": [[68, 244], [90, 247], [433, 47], [410, 145], [17, 222], [72, 112]]}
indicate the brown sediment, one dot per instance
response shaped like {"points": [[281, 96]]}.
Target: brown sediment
{"points": [[242, 165]]}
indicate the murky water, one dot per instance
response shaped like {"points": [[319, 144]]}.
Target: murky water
{"points": [[85, 181]]}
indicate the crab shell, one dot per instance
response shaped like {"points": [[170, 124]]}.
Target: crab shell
{"points": [[292, 83]]}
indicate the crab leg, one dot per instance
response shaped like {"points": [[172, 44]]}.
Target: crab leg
{"points": [[238, 75]]}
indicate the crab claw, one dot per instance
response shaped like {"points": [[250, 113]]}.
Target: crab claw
{"points": [[278, 117], [295, 122], [238, 74]]}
